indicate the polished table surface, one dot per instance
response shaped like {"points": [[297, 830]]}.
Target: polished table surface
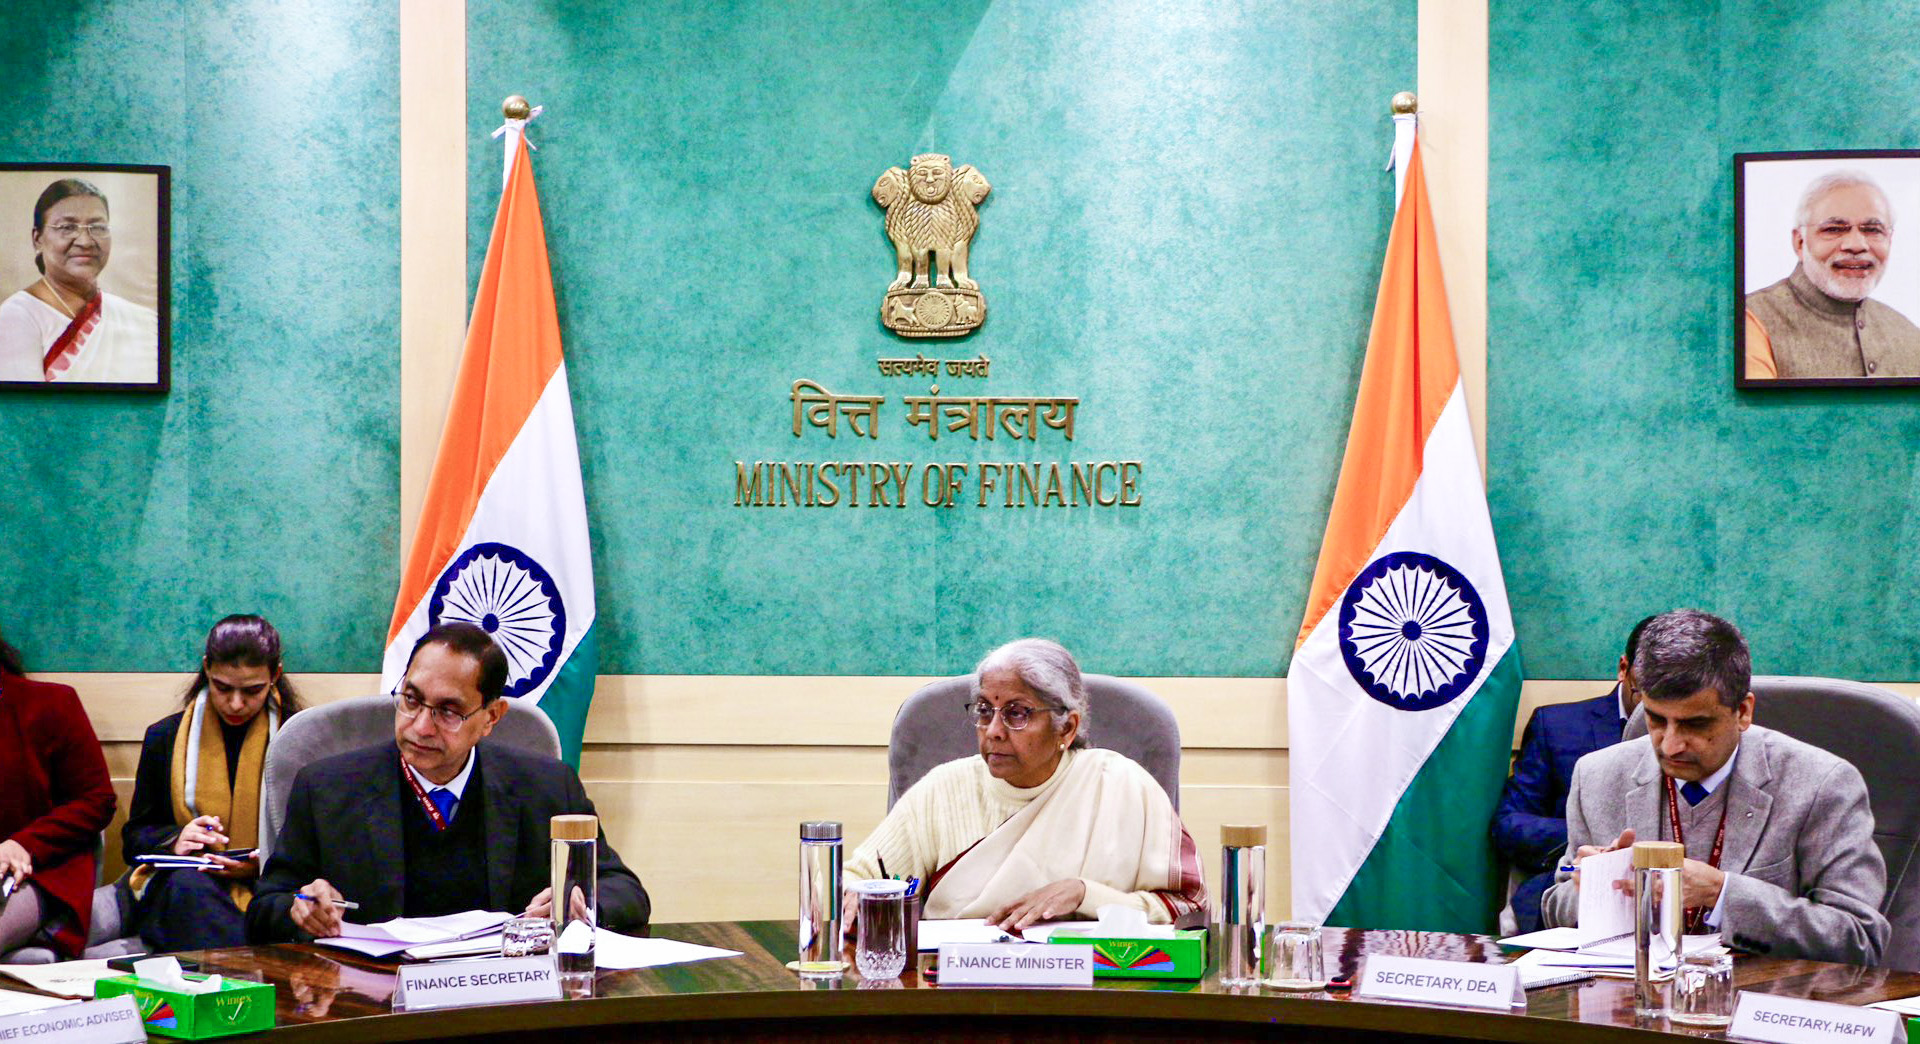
{"points": [[328, 994]]}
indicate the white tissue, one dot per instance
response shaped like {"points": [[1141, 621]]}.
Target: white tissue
{"points": [[164, 972], [1127, 922], [576, 937]]}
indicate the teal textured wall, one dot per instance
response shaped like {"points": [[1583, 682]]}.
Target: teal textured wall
{"points": [[1627, 474], [1185, 231], [268, 479]]}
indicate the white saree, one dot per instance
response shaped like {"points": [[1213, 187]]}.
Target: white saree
{"points": [[980, 843]]}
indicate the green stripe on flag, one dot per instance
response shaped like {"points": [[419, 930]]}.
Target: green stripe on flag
{"points": [[1434, 868], [565, 701]]}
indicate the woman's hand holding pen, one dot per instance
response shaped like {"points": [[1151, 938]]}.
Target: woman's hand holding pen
{"points": [[198, 834]]}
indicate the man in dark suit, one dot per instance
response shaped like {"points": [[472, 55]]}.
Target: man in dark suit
{"points": [[430, 824], [1530, 823]]}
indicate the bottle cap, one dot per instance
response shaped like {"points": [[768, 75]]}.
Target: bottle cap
{"points": [[1658, 855], [1243, 836], [820, 830], [575, 828]]}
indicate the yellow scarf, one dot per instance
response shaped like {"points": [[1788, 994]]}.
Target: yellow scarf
{"points": [[199, 785]]}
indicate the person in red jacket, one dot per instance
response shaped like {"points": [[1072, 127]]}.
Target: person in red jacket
{"points": [[55, 799]]}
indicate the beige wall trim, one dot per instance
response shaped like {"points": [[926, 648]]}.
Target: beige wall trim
{"points": [[433, 235], [1453, 144]]}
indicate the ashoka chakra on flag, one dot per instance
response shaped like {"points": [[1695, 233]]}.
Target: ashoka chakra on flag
{"points": [[512, 598], [1413, 631]]}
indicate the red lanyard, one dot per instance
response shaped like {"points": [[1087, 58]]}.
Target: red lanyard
{"points": [[1696, 915], [440, 821]]}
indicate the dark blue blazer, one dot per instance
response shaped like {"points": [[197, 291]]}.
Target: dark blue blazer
{"points": [[1530, 824]]}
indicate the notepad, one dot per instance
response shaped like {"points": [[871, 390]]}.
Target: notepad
{"points": [[387, 938], [67, 978]]}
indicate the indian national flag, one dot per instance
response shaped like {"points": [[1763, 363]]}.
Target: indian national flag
{"points": [[503, 535], [1405, 679]]}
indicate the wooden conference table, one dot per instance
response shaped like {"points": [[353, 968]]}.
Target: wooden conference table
{"points": [[330, 995]]}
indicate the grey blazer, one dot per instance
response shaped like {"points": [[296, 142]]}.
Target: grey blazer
{"points": [[1804, 878]]}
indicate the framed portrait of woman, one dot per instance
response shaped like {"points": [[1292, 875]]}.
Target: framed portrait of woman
{"points": [[85, 257], [1827, 283]]}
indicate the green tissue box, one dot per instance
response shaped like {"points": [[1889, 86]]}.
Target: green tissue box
{"points": [[1182, 957], [239, 1006]]}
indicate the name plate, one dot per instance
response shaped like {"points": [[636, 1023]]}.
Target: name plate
{"points": [[1016, 964], [114, 1021], [463, 984], [1492, 986], [1795, 1020]]}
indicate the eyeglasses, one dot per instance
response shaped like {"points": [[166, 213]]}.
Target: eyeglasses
{"points": [[69, 231], [1835, 231], [407, 705], [1016, 715]]}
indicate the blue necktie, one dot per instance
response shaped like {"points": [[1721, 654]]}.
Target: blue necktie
{"points": [[444, 800], [1693, 792]]}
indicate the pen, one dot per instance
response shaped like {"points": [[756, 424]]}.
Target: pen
{"points": [[883, 867], [341, 903]]}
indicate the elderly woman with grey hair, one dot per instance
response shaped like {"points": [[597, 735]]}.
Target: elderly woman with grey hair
{"points": [[1040, 826]]}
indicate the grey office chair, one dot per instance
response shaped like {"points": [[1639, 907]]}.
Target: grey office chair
{"points": [[1879, 733], [110, 916], [335, 728], [931, 729]]}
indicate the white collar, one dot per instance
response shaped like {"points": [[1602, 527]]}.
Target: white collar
{"points": [[1620, 700], [457, 785], [1712, 783]]}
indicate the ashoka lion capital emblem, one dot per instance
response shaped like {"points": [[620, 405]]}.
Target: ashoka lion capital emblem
{"points": [[931, 220]]}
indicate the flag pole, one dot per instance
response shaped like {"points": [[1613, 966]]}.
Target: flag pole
{"points": [[517, 113], [1405, 106]]}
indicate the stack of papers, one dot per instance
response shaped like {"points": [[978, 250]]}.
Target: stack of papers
{"points": [[174, 862], [390, 937], [1571, 948], [612, 951]]}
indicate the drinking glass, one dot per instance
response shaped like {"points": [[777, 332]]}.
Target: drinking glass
{"points": [[526, 937], [880, 946], [1702, 993], [1291, 959]]}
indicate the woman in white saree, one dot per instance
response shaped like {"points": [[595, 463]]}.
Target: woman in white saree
{"points": [[1040, 826], [64, 327]]}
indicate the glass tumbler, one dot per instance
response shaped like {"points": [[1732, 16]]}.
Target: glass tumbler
{"points": [[526, 937], [1702, 993], [1291, 958], [880, 946]]}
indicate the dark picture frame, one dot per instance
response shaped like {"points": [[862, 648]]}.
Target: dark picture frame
{"points": [[97, 345], [1794, 316]]}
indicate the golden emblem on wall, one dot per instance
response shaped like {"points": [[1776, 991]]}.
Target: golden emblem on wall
{"points": [[931, 220]]}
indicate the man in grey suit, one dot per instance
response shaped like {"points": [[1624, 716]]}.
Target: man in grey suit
{"points": [[1778, 833]]}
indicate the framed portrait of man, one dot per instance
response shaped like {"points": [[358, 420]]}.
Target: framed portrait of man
{"points": [[1827, 284], [85, 277]]}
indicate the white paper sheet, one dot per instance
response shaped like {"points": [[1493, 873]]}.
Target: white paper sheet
{"points": [[612, 950], [68, 978], [1903, 1005], [935, 934], [1605, 911], [1548, 939], [13, 1002]]}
